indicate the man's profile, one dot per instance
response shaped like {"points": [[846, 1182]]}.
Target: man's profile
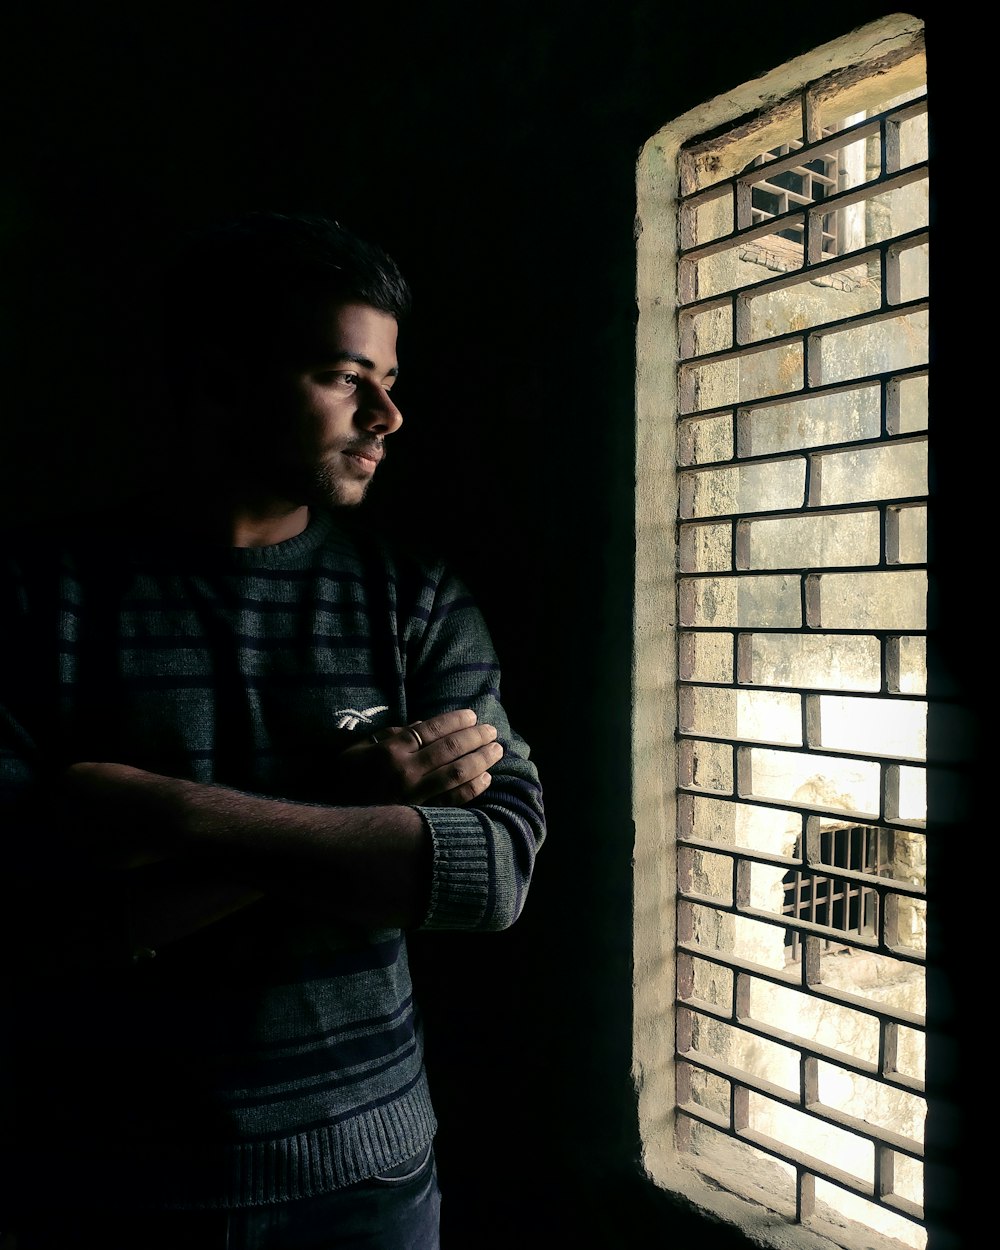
{"points": [[245, 744]]}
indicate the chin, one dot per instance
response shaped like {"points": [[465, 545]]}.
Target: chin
{"points": [[330, 493]]}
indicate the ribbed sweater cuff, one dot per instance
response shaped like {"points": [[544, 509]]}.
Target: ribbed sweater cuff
{"points": [[463, 880]]}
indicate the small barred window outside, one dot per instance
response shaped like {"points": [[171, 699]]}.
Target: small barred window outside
{"points": [[802, 384], [775, 194]]}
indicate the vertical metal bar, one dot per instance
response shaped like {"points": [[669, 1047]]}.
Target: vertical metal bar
{"points": [[741, 997], [740, 1108], [805, 1197], [890, 1048]]}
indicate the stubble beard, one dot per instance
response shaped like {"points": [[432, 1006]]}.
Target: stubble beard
{"points": [[332, 492]]}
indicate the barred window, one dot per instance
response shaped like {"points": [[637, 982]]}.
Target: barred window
{"points": [[795, 248], [781, 186]]}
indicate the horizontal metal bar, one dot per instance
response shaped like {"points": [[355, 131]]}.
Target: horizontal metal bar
{"points": [[860, 1128], [841, 138], [793, 980], [784, 398], [794, 219], [835, 692], [857, 818], [843, 937], [884, 885], [895, 1141], [823, 329], [808, 1048], [690, 735], [803, 453]]}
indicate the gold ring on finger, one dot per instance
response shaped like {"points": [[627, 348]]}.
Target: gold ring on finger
{"points": [[413, 730]]}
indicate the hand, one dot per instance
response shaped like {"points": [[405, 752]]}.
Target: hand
{"points": [[450, 768]]}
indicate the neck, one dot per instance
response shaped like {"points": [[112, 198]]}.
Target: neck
{"points": [[221, 524], [264, 527]]}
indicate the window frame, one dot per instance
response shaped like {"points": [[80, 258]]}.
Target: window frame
{"points": [[655, 669]]}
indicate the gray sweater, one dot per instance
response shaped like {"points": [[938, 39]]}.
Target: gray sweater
{"points": [[276, 1054]]}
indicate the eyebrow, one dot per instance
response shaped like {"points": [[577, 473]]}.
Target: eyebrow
{"points": [[354, 359]]}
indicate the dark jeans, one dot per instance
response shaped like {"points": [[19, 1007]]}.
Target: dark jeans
{"points": [[397, 1211]]}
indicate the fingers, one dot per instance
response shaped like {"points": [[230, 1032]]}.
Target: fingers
{"points": [[420, 733], [439, 740], [446, 758], [464, 767], [440, 726], [454, 746], [466, 793]]}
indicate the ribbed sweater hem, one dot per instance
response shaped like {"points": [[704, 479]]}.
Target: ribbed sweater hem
{"points": [[193, 1175]]}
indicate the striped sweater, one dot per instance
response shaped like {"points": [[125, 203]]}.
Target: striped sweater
{"points": [[276, 1054]]}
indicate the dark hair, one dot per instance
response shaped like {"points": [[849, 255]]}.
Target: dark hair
{"points": [[240, 287]]}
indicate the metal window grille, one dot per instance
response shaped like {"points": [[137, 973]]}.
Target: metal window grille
{"points": [[841, 905], [797, 184], [802, 609]]}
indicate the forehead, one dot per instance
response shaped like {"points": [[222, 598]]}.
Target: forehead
{"points": [[351, 331]]}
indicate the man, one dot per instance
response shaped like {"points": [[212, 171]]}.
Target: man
{"points": [[245, 745]]}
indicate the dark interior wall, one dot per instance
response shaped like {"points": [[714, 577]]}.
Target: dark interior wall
{"points": [[492, 151]]}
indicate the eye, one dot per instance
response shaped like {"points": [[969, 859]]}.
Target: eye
{"points": [[340, 378]]}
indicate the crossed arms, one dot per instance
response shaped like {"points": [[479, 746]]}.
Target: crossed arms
{"points": [[392, 834], [189, 854], [368, 858]]}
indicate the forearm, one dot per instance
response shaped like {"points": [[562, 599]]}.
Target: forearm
{"points": [[77, 895], [362, 865]]}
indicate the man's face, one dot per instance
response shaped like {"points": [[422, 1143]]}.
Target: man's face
{"points": [[333, 408]]}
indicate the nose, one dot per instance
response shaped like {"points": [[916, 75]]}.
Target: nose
{"points": [[377, 413]]}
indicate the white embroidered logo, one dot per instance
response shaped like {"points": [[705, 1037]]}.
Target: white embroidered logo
{"points": [[351, 718]]}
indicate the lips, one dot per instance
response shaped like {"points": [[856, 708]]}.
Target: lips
{"points": [[369, 454]]}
